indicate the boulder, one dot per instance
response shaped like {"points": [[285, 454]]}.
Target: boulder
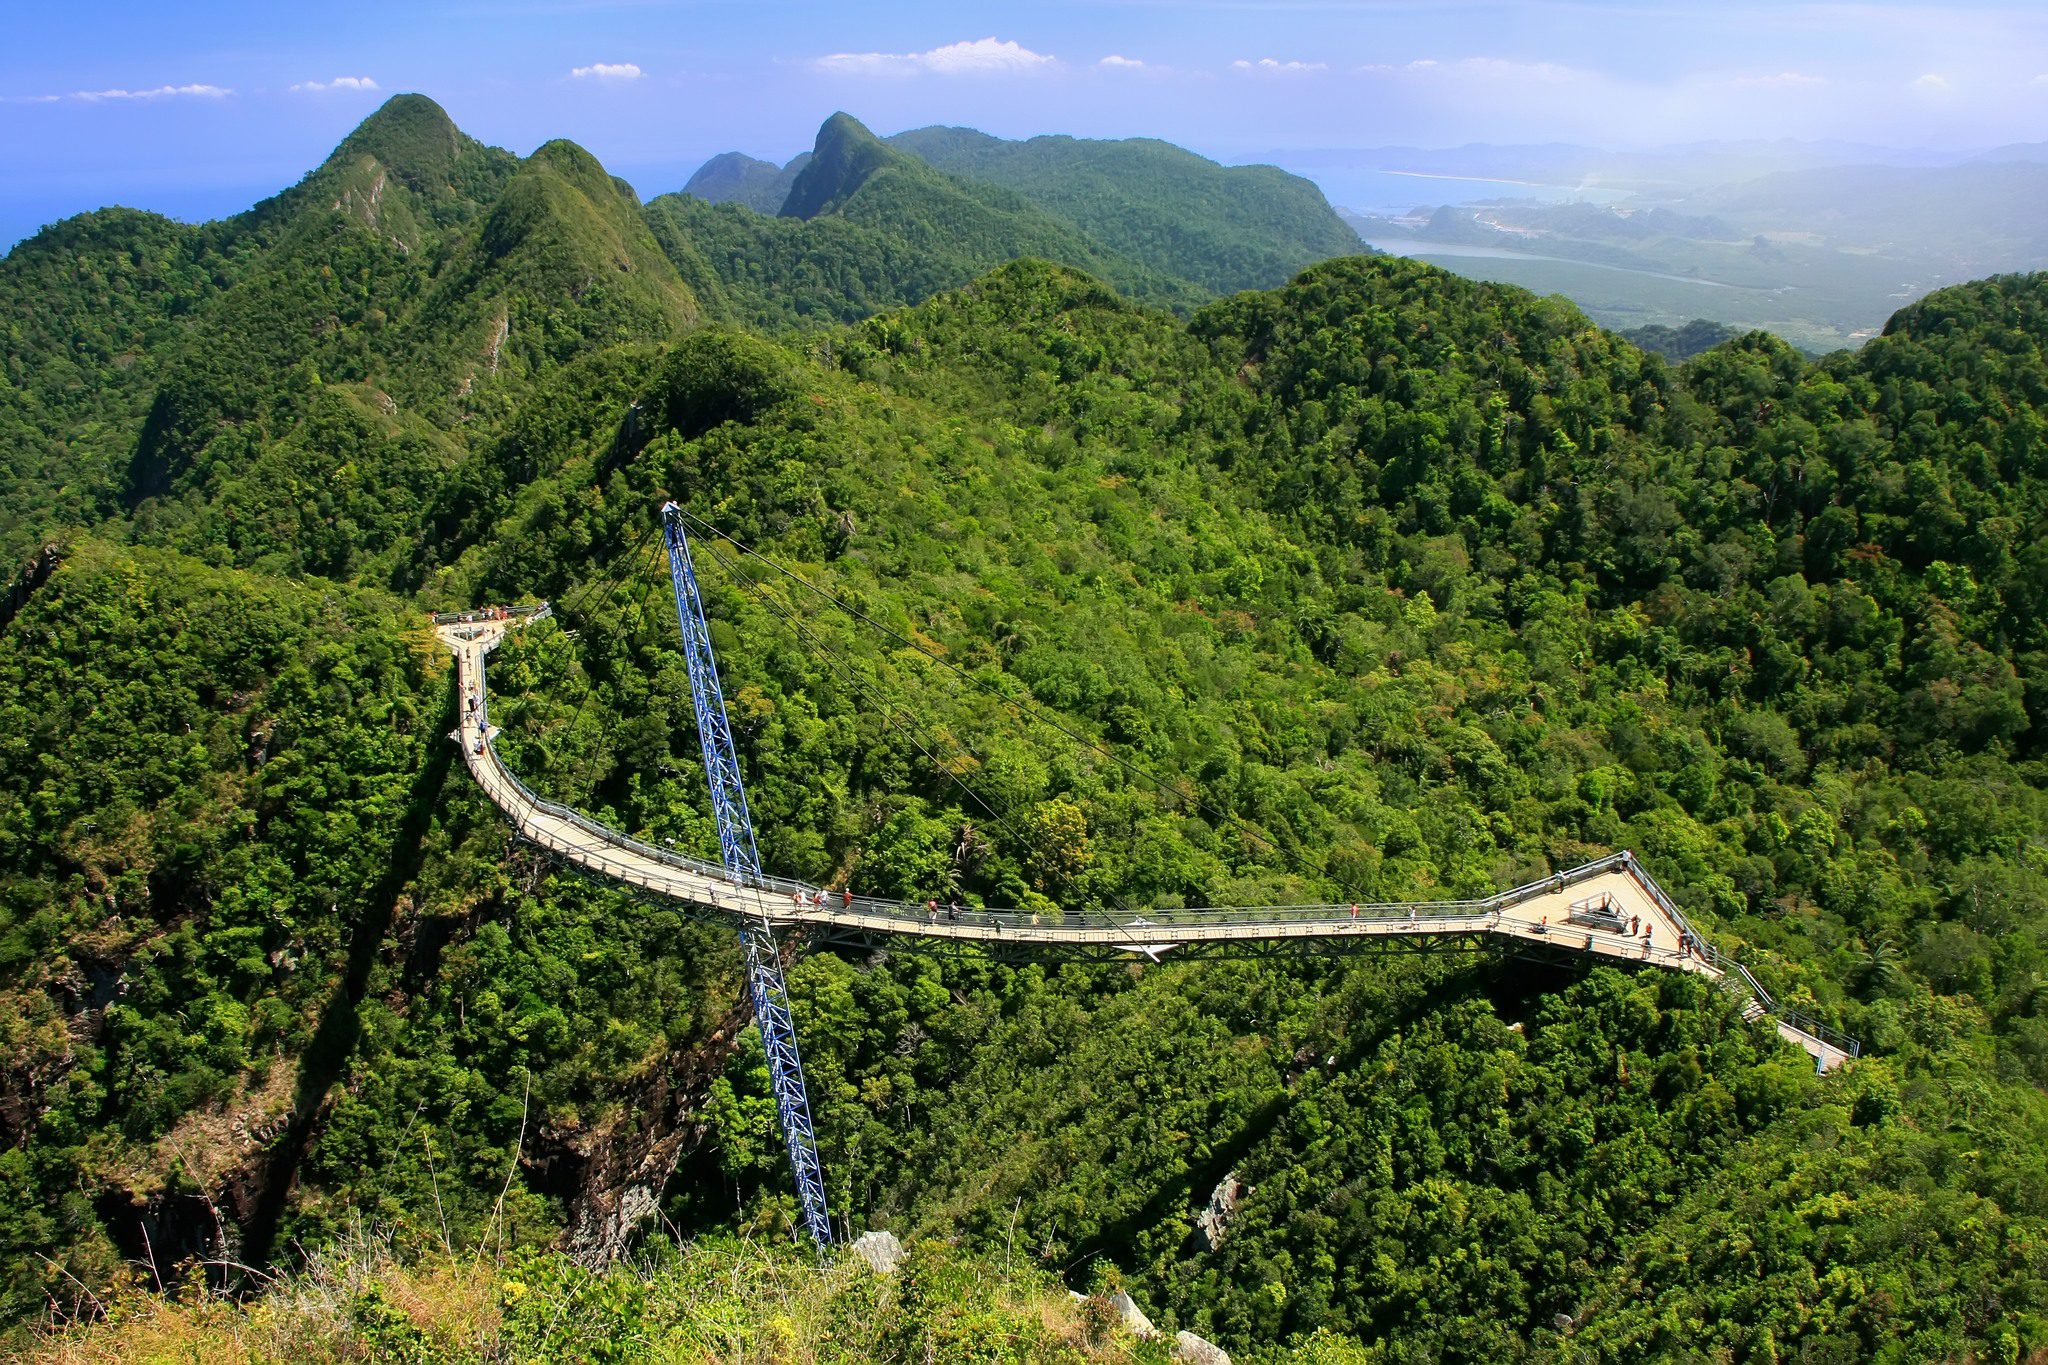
{"points": [[1134, 1319], [880, 1250], [1191, 1348]]}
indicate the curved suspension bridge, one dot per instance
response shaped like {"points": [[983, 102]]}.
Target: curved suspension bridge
{"points": [[1608, 910]]}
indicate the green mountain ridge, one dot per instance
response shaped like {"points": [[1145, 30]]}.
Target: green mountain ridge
{"points": [[845, 158], [1223, 228], [1400, 585], [735, 178], [867, 227], [445, 275], [1228, 228]]}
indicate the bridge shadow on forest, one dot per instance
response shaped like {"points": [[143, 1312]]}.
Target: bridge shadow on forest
{"points": [[334, 1041], [1514, 984]]}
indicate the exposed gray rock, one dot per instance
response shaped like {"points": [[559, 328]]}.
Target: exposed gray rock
{"points": [[1134, 1317], [880, 1250], [1191, 1348], [1214, 1222]]}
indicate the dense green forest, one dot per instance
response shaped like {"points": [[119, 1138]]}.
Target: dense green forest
{"points": [[1399, 585], [1682, 343]]}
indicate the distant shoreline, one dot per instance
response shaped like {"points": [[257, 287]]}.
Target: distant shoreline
{"points": [[1422, 249], [1482, 179]]}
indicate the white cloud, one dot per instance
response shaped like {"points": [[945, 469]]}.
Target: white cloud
{"points": [[981, 57], [338, 83], [2041, 79], [1931, 83], [212, 92], [1116, 63], [1269, 64], [606, 71]]}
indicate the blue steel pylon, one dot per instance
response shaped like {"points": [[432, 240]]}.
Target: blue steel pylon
{"points": [[743, 859]]}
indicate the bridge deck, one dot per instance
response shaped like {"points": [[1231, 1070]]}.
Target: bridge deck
{"points": [[1564, 911]]}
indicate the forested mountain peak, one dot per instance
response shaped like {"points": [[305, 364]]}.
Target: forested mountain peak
{"points": [[719, 174], [567, 229], [413, 138], [732, 177], [845, 156], [1226, 227], [576, 165], [735, 178], [405, 173]]}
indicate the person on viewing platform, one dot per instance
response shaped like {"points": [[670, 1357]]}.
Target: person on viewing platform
{"points": [[846, 898]]}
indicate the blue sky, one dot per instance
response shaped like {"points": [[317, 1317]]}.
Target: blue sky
{"points": [[198, 109]]}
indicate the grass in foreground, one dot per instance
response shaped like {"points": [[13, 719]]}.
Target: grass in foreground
{"points": [[705, 1301]]}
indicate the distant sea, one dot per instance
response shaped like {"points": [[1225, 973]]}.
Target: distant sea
{"points": [[1396, 191]]}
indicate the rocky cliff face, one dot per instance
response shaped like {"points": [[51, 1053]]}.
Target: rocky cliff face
{"points": [[1212, 1224]]}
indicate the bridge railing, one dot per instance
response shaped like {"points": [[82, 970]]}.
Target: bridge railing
{"points": [[1798, 1019], [805, 905], [1733, 970], [481, 615]]}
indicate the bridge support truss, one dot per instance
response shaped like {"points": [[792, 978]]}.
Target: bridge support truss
{"points": [[742, 857]]}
